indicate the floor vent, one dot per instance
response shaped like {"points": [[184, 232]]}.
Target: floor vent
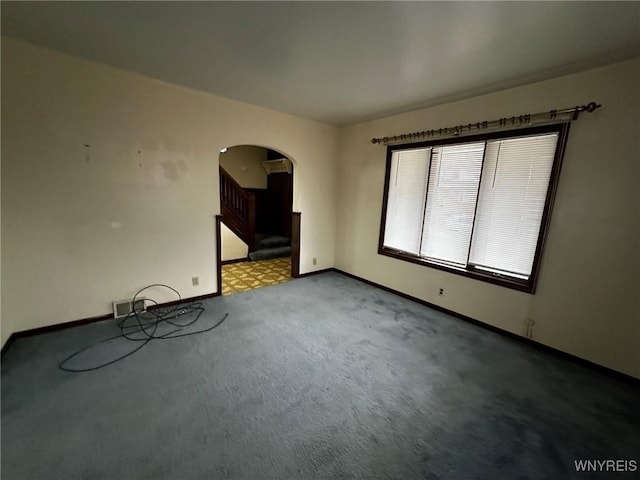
{"points": [[122, 308]]}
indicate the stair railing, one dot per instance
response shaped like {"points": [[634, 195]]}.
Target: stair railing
{"points": [[238, 209]]}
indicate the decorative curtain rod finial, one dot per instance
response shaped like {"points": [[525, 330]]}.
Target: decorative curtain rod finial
{"points": [[591, 106]]}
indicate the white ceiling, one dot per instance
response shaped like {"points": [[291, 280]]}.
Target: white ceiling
{"points": [[337, 62]]}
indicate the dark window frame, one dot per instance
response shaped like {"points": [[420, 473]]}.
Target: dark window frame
{"points": [[469, 271]]}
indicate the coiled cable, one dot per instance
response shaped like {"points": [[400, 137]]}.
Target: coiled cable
{"points": [[141, 326]]}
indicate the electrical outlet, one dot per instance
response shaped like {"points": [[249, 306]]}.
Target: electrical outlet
{"points": [[315, 261], [441, 292], [195, 281]]}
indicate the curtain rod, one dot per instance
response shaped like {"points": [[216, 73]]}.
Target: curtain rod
{"points": [[516, 121]]}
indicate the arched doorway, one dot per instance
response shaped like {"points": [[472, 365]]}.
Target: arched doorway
{"points": [[257, 232]]}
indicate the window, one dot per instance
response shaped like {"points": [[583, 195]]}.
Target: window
{"points": [[477, 206]]}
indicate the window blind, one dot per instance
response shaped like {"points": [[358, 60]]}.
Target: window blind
{"points": [[513, 191], [405, 200], [451, 202], [474, 206]]}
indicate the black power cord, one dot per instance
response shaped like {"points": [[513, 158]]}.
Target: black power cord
{"points": [[141, 326]]}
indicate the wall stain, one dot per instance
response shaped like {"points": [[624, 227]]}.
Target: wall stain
{"points": [[170, 170]]}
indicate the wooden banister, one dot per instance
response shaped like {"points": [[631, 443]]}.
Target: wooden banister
{"points": [[238, 209]]}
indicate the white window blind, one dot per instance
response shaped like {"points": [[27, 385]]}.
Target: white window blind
{"points": [[451, 202], [511, 202], [405, 200]]}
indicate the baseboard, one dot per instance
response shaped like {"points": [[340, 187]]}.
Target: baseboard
{"points": [[185, 300], [7, 344], [85, 321], [568, 356], [237, 260], [317, 272]]}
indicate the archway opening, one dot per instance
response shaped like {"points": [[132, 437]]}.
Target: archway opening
{"points": [[257, 230]]}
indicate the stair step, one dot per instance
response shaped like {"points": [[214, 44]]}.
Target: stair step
{"points": [[266, 253], [271, 241]]}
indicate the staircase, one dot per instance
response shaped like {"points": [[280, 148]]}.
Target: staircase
{"points": [[270, 246], [238, 209]]}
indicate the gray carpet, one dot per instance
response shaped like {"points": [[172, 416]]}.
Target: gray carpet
{"points": [[322, 377]]}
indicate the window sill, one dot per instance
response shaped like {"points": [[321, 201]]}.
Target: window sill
{"points": [[527, 286]]}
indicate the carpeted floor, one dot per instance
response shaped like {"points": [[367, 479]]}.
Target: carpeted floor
{"points": [[321, 377], [243, 276]]}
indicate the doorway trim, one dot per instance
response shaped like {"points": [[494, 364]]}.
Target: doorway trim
{"points": [[219, 254], [295, 244]]}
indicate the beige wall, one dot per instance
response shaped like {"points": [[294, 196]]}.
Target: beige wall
{"points": [[84, 225], [231, 246], [244, 164], [4, 333], [587, 300]]}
